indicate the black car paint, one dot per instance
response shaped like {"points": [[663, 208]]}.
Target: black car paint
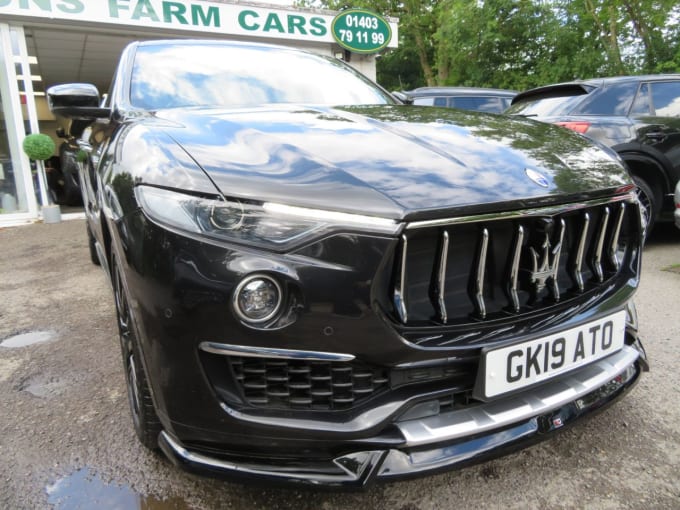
{"points": [[367, 159], [386, 161], [650, 145]]}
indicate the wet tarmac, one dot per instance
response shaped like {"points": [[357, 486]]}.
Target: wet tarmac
{"points": [[67, 441], [26, 339], [43, 386], [85, 490]]}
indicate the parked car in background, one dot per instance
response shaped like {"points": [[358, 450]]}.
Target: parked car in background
{"points": [[637, 116], [319, 285], [464, 98], [63, 180]]}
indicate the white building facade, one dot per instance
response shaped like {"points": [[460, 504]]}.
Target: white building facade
{"points": [[46, 42]]}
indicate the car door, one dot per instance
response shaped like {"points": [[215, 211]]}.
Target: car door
{"points": [[656, 113]]}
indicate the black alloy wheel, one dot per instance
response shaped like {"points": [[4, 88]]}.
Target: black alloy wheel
{"points": [[144, 418], [92, 246], [649, 203]]}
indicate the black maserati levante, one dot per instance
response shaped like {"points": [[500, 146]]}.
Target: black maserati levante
{"points": [[316, 284]]}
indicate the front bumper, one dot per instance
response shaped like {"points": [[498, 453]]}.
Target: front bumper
{"points": [[444, 441]]}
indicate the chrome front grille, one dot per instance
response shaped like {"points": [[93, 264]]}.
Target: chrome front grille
{"points": [[302, 384], [474, 269]]}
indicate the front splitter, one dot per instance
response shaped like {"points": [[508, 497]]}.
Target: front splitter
{"points": [[359, 469]]}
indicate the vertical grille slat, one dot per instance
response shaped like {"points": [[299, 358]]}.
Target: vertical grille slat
{"points": [[614, 245], [479, 276], [515, 263], [597, 257], [441, 277], [514, 268], [580, 252], [400, 288]]}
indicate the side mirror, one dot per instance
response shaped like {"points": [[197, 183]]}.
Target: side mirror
{"points": [[76, 101]]}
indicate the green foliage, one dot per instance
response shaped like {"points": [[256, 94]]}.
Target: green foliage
{"points": [[519, 44], [400, 69], [409, 65], [38, 147]]}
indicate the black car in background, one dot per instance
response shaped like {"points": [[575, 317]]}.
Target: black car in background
{"points": [[62, 171], [637, 116], [316, 284], [464, 98]]}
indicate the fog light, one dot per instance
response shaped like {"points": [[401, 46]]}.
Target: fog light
{"points": [[257, 298]]}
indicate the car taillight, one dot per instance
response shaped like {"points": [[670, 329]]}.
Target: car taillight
{"points": [[579, 127]]}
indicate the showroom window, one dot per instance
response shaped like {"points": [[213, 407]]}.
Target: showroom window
{"points": [[18, 179]]}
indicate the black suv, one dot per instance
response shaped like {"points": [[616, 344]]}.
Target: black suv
{"points": [[315, 284], [637, 116], [463, 98]]}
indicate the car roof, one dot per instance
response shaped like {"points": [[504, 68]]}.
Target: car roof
{"points": [[586, 86], [211, 42], [459, 91]]}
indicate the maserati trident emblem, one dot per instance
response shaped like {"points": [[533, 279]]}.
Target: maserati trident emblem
{"points": [[547, 268], [537, 177]]}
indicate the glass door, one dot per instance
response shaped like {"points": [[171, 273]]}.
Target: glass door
{"points": [[17, 191]]}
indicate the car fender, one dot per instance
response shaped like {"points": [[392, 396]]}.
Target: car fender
{"points": [[658, 165]]}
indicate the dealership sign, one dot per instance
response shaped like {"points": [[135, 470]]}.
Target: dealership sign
{"points": [[361, 31], [210, 17]]}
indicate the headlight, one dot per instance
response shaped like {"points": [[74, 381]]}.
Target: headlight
{"points": [[269, 224]]}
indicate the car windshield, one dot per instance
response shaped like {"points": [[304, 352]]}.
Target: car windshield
{"points": [[546, 106], [180, 75]]}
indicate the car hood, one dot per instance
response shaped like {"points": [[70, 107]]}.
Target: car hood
{"points": [[401, 162]]}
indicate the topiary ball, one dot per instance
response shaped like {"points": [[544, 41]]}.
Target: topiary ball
{"points": [[39, 147]]}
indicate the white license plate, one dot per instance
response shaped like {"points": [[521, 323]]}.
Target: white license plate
{"points": [[516, 366]]}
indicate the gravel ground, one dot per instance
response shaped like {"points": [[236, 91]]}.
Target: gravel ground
{"points": [[66, 439]]}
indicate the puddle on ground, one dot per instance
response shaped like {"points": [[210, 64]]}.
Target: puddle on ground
{"points": [[42, 386], [84, 490], [30, 338]]}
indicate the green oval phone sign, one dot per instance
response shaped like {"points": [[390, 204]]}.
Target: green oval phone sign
{"points": [[361, 31]]}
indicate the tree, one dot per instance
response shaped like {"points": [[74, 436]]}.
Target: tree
{"points": [[495, 43], [417, 23], [518, 44]]}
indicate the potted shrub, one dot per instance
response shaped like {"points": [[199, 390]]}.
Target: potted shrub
{"points": [[40, 147]]}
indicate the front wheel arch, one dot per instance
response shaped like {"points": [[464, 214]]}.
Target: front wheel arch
{"points": [[649, 170], [652, 183], [145, 420], [106, 240]]}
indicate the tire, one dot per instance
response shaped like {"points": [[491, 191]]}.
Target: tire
{"points": [[72, 194], [649, 201], [91, 245], [55, 186], [54, 196], [144, 418]]}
